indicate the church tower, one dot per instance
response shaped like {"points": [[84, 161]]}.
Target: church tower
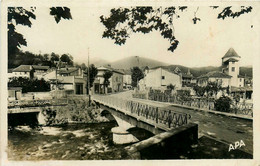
{"points": [[230, 66]]}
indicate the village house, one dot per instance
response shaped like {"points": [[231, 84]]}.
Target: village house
{"points": [[116, 81], [29, 71], [70, 79], [187, 78], [222, 79], [229, 76], [160, 78], [127, 79]]}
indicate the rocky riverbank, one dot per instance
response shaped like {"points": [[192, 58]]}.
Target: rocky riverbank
{"points": [[77, 111]]}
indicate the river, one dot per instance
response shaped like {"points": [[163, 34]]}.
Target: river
{"points": [[68, 142]]}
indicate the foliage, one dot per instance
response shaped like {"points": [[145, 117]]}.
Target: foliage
{"points": [[67, 58], [107, 75], [212, 88], [137, 74], [184, 95], [92, 74], [29, 85], [199, 90], [54, 57], [16, 16], [28, 58], [170, 87], [22, 16], [223, 104], [122, 22], [60, 12]]}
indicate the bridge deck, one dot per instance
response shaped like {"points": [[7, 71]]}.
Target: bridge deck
{"points": [[149, 113]]}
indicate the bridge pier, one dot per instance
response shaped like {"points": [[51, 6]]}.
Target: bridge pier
{"points": [[120, 133], [121, 136]]}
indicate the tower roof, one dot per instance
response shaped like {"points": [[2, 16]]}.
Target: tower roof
{"points": [[231, 53]]}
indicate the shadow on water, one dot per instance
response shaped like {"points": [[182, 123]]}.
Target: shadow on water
{"points": [[29, 119]]}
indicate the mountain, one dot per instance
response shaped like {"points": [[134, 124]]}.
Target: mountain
{"points": [[133, 61]]}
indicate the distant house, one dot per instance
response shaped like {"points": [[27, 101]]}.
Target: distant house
{"points": [[30, 71], [40, 71], [229, 76], [127, 79], [186, 78], [25, 71], [69, 79], [159, 78], [222, 79], [14, 93], [116, 80]]}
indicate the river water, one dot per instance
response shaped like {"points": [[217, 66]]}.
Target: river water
{"points": [[69, 142]]}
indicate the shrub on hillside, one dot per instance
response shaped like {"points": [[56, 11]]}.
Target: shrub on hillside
{"points": [[223, 104]]}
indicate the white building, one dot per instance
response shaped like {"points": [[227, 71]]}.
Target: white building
{"points": [[29, 71], [116, 81], [127, 79], [222, 79], [230, 64], [159, 78]]}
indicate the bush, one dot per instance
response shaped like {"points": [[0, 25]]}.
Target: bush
{"points": [[29, 85], [223, 104]]}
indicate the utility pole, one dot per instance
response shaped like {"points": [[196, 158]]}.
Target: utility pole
{"points": [[89, 98]]}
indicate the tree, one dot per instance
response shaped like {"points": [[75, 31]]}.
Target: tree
{"points": [[212, 88], [22, 16], [92, 74], [67, 58], [54, 57], [199, 90], [137, 75], [122, 22], [170, 87], [83, 66], [29, 85], [107, 75]]}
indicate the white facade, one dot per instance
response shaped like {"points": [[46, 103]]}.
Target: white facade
{"points": [[127, 79], [24, 74], [224, 82], [158, 78]]}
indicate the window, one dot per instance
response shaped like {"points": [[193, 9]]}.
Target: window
{"points": [[233, 69], [163, 77], [25, 72], [240, 79]]}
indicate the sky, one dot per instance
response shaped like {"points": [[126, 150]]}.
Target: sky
{"points": [[202, 44]]}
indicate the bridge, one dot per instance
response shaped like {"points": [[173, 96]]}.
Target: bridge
{"points": [[30, 111], [171, 128]]}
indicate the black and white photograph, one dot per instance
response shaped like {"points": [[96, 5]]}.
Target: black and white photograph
{"points": [[129, 81]]}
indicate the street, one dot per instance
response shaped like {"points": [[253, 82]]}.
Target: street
{"points": [[222, 128]]}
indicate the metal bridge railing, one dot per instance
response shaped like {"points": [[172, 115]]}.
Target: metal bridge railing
{"points": [[166, 117]]}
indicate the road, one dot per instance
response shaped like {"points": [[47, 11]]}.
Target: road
{"points": [[223, 128]]}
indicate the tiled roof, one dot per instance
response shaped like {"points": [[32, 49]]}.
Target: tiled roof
{"points": [[231, 53], [23, 68], [40, 67], [67, 70], [215, 74], [110, 69], [240, 89], [232, 60]]}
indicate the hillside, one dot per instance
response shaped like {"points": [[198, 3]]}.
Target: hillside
{"points": [[132, 61]]}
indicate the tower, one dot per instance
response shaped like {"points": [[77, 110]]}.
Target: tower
{"points": [[230, 66]]}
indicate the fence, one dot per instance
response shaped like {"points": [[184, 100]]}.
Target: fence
{"points": [[168, 118], [200, 103]]}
